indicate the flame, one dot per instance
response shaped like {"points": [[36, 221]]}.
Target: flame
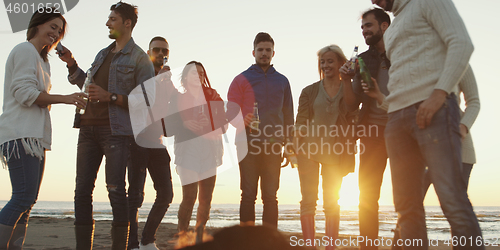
{"points": [[189, 239]]}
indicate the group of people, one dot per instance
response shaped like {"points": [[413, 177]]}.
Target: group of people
{"points": [[419, 67]]}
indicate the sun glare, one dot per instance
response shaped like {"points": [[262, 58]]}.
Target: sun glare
{"points": [[349, 192]]}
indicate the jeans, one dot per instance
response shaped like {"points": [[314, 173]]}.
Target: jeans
{"points": [[265, 166], [157, 162], [94, 142], [26, 173], [189, 193], [437, 146], [373, 161], [466, 170], [309, 180]]}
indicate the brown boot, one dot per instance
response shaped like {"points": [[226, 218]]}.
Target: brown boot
{"points": [[17, 239], [119, 236], [84, 236], [199, 234], [308, 229], [332, 230], [5, 233], [184, 217]]}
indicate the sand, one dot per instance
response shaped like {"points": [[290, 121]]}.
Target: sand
{"points": [[51, 233]]}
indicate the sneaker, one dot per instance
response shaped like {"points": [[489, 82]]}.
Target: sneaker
{"points": [[150, 246]]}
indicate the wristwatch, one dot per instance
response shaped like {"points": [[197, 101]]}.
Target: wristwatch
{"points": [[113, 98]]}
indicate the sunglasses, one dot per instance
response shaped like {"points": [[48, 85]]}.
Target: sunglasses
{"points": [[115, 6], [157, 50]]}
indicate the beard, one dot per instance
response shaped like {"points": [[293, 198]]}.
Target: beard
{"points": [[263, 64], [114, 34], [375, 38], [158, 62]]}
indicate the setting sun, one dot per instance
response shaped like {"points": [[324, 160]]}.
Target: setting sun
{"points": [[349, 192]]}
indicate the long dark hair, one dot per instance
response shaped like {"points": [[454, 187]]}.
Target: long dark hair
{"points": [[40, 17], [208, 91], [205, 84], [185, 71]]}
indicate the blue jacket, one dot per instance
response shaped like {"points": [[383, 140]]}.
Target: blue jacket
{"points": [[271, 90], [129, 67]]}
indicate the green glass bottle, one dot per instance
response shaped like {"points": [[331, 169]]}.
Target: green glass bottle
{"points": [[365, 73]]}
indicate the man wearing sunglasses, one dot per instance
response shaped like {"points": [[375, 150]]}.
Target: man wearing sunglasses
{"points": [[157, 163], [158, 50], [105, 128]]}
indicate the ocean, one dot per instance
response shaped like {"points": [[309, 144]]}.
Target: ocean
{"points": [[222, 215]]}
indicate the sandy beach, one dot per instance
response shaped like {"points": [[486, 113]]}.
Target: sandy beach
{"points": [[51, 233]]}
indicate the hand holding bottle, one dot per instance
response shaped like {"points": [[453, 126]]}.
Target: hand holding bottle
{"points": [[354, 56], [345, 70], [85, 93], [365, 73], [254, 124], [248, 119], [98, 94], [78, 99], [202, 117], [374, 91]]}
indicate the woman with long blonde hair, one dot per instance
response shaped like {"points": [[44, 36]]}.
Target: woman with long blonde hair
{"points": [[322, 111]]}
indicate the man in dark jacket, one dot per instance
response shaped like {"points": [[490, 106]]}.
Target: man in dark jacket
{"points": [[157, 163], [373, 155]]}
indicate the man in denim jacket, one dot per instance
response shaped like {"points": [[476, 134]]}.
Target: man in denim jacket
{"points": [[105, 128]]}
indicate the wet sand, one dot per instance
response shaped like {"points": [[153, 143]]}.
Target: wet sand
{"points": [[51, 233]]}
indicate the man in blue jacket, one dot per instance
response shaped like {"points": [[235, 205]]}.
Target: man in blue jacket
{"points": [[262, 85]]}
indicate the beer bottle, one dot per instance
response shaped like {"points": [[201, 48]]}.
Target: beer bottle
{"points": [[165, 61], [254, 125], [85, 89], [365, 74], [352, 68]]}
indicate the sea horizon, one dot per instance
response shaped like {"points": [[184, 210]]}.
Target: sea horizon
{"points": [[223, 215]]}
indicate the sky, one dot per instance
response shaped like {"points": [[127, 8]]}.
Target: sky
{"points": [[220, 33]]}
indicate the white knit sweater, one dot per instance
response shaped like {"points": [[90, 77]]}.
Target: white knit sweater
{"points": [[26, 76], [468, 86], [429, 48]]}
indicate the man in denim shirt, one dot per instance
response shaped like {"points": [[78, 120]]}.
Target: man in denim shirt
{"points": [[105, 128]]}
